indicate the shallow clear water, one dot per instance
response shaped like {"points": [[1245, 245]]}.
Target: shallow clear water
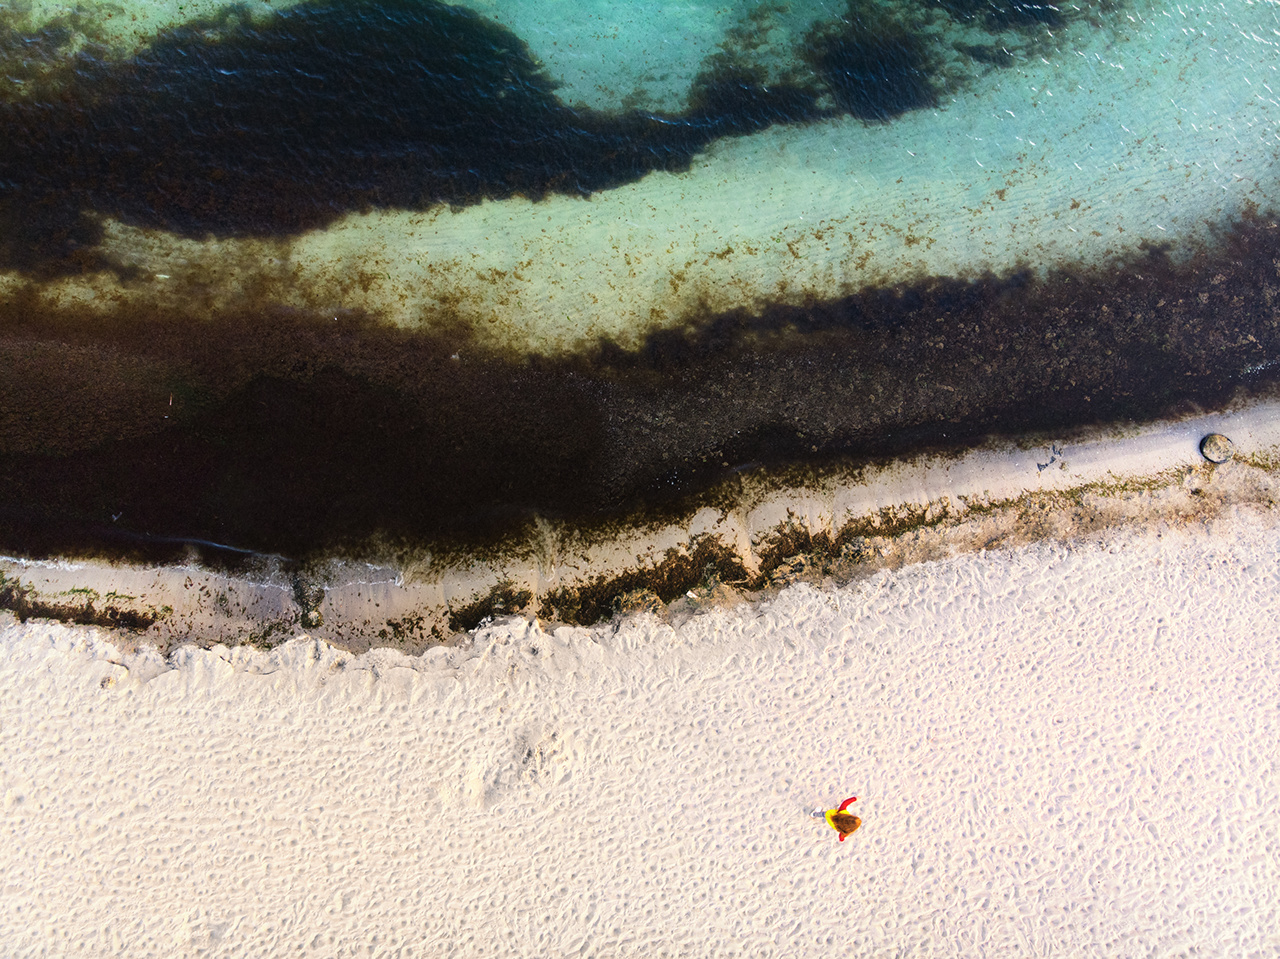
{"points": [[354, 276]]}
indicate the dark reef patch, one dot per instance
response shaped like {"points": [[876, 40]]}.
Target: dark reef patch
{"points": [[985, 53], [875, 69], [999, 15], [232, 126], [311, 436], [242, 126]]}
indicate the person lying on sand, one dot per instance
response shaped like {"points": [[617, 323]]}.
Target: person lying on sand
{"points": [[843, 822]]}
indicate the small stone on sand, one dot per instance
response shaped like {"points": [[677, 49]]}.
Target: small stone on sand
{"points": [[1216, 448]]}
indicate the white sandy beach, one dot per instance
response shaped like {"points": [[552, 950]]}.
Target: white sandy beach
{"points": [[1059, 750], [1063, 748]]}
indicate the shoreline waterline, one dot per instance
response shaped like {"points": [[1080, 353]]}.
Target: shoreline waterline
{"points": [[743, 541]]}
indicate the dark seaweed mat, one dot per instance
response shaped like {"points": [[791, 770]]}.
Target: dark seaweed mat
{"points": [[231, 127], [236, 127], [308, 435]]}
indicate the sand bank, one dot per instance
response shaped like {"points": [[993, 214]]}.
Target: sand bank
{"points": [[1058, 750]]}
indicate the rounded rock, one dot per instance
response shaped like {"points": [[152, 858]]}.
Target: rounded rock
{"points": [[1216, 448]]}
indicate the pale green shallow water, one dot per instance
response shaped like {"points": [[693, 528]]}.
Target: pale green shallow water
{"points": [[1072, 135]]}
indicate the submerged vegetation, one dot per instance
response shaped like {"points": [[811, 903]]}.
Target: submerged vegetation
{"points": [[999, 15], [875, 63], [234, 125]]}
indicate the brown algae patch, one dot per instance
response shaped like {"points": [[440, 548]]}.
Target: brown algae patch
{"points": [[81, 605], [705, 565]]}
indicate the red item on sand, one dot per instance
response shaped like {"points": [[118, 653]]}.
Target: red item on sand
{"points": [[831, 814]]}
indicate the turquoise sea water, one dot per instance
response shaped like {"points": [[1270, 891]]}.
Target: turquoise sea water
{"points": [[350, 276]]}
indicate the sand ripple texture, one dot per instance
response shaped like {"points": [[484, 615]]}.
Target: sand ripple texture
{"points": [[1059, 751]]}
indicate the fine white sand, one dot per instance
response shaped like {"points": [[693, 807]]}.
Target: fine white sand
{"points": [[1059, 751]]}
